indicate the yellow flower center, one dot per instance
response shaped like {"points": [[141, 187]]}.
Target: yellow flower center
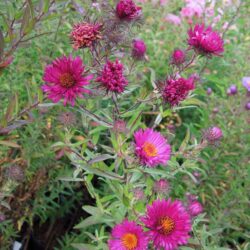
{"points": [[67, 80], [129, 241], [166, 225], [150, 149]]}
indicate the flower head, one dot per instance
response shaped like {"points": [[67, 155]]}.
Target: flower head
{"points": [[15, 173], [205, 41], [176, 90], [169, 224], [65, 80], [2, 217], [232, 90], [112, 77], [127, 10], [213, 135], [85, 34], [120, 126], [209, 91], [161, 186], [195, 208], [247, 106], [151, 147], [138, 193], [246, 82], [139, 49], [67, 118], [128, 236], [178, 57]]}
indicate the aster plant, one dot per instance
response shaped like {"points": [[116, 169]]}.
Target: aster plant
{"points": [[136, 158]]}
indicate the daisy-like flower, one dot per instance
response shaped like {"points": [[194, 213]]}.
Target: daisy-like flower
{"points": [[128, 236], [127, 10], [176, 90], [169, 224], [195, 208], [64, 80], [112, 77], [151, 147], [85, 34], [205, 41]]}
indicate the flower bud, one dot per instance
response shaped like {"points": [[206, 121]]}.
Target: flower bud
{"points": [[139, 49], [178, 57]]}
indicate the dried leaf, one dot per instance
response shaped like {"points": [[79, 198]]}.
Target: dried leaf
{"points": [[9, 144]]}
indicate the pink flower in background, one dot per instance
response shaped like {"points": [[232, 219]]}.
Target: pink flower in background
{"points": [[246, 82], [112, 77], [176, 90], [139, 49], [127, 10], [163, 2], [205, 41], [85, 34], [210, 11], [161, 186], [213, 135], [195, 208], [209, 91], [151, 147], [169, 224], [178, 57], [64, 80], [171, 18], [128, 236]]}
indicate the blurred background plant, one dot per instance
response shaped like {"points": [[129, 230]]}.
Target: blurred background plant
{"points": [[51, 199]]}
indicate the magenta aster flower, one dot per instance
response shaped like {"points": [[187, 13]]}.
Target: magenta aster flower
{"points": [[205, 41], [246, 82], [85, 34], [128, 236], [176, 90], [195, 208], [169, 224], [178, 57], [112, 77], [139, 49], [65, 80], [127, 10], [151, 147]]}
